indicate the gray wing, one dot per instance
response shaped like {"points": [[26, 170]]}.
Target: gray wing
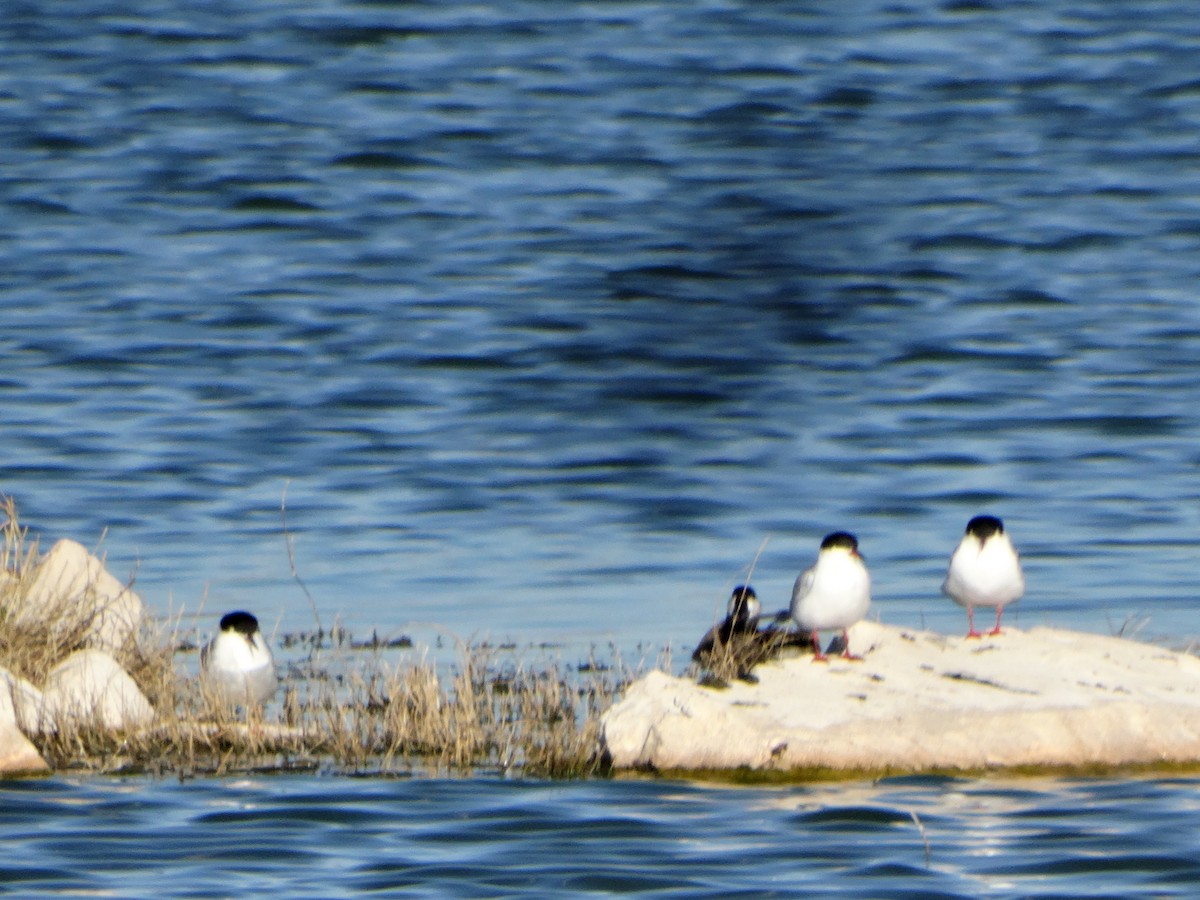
{"points": [[803, 585]]}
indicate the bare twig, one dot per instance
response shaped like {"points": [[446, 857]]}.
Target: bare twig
{"points": [[754, 562], [291, 555]]}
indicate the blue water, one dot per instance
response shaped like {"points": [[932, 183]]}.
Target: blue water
{"points": [[313, 837], [542, 312], [549, 322]]}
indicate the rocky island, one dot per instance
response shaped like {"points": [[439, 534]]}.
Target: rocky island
{"points": [[923, 702]]}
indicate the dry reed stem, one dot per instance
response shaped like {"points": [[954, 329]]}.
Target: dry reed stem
{"points": [[31, 646]]}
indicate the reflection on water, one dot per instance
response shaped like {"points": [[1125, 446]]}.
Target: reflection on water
{"points": [[315, 837], [554, 320]]}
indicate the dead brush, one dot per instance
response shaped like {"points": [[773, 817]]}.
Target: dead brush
{"points": [[541, 722], [485, 714], [36, 635], [18, 554], [559, 724], [735, 655], [30, 646], [488, 711]]}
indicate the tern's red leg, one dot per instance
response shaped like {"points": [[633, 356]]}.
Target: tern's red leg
{"points": [[818, 656], [846, 647], [995, 631], [971, 632]]}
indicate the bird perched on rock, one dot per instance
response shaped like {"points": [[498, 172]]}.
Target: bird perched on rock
{"points": [[985, 570], [741, 618], [236, 666], [734, 646], [834, 593]]}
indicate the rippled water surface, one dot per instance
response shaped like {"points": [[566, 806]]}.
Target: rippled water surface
{"points": [[551, 320], [314, 837], [540, 311]]}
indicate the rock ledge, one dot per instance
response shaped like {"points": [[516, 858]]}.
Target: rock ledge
{"points": [[924, 702]]}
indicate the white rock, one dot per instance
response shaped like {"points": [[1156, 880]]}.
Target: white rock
{"points": [[26, 700], [72, 587], [922, 701], [90, 689], [17, 754]]}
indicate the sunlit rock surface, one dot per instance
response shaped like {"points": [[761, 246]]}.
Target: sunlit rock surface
{"points": [[72, 587], [17, 754], [26, 700], [921, 701], [89, 688]]}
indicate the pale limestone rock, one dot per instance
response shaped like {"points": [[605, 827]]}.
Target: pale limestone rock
{"points": [[72, 587], [90, 689], [922, 701], [26, 700], [17, 754]]}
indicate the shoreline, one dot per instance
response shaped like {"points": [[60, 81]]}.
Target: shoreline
{"points": [[95, 687]]}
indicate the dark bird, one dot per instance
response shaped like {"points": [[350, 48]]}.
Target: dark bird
{"points": [[734, 646]]}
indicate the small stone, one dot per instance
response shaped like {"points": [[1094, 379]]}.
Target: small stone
{"points": [[90, 689]]}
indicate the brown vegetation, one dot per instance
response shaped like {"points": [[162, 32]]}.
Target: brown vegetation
{"points": [[358, 712]]}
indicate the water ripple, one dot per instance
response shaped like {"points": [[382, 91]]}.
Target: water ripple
{"points": [[894, 838], [554, 320]]}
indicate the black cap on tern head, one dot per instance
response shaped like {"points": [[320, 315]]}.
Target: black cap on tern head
{"points": [[983, 527], [742, 593], [743, 605], [840, 539], [240, 621]]}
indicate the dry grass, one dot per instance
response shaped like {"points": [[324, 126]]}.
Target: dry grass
{"points": [[735, 656], [27, 649], [345, 706], [35, 636], [477, 715]]}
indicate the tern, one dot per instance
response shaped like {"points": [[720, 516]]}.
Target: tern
{"points": [[834, 593], [741, 618], [985, 570], [236, 665]]}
